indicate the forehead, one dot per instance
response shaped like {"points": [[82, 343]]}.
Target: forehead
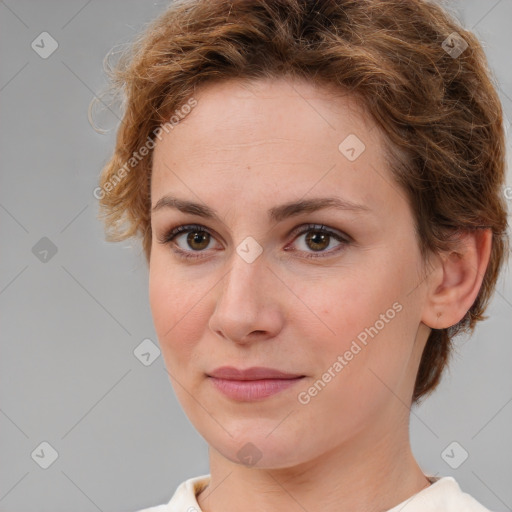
{"points": [[269, 104], [272, 135]]}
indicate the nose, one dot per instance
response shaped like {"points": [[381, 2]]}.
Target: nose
{"points": [[247, 305]]}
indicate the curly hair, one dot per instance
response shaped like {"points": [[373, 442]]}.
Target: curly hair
{"points": [[422, 77]]}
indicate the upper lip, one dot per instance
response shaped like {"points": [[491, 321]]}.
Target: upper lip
{"points": [[253, 373]]}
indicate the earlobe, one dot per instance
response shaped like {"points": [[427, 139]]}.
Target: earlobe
{"points": [[457, 278]]}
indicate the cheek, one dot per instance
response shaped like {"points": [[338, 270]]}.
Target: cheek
{"points": [[346, 306], [368, 319], [177, 313]]}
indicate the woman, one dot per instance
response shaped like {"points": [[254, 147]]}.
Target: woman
{"points": [[317, 186]]}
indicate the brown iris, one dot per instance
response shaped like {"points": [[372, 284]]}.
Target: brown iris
{"points": [[202, 238], [318, 239]]}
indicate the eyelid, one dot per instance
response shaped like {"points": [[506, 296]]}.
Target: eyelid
{"points": [[183, 228], [169, 234], [304, 228]]}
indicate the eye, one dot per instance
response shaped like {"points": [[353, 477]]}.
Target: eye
{"points": [[319, 238], [193, 236], [188, 239]]}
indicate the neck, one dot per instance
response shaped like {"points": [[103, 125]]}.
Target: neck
{"points": [[371, 473]]}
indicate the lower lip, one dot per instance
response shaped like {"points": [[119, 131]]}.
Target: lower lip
{"points": [[247, 390]]}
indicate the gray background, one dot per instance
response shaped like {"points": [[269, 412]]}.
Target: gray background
{"points": [[70, 324]]}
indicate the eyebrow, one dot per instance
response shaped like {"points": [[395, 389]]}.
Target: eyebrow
{"points": [[275, 214]]}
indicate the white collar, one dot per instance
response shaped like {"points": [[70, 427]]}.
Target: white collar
{"points": [[444, 494]]}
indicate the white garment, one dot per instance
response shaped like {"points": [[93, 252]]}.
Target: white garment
{"points": [[444, 495]]}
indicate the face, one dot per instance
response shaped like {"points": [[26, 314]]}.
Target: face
{"points": [[262, 274]]}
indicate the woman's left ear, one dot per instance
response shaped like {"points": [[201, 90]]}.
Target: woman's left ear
{"points": [[456, 279]]}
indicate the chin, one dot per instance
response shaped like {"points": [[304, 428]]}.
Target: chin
{"points": [[259, 450]]}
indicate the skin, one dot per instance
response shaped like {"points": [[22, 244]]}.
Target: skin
{"points": [[245, 148]]}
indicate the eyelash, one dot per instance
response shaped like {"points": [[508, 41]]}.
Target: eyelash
{"points": [[171, 234]]}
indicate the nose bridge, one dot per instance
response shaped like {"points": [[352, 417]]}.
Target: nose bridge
{"points": [[243, 304], [247, 265], [242, 284]]}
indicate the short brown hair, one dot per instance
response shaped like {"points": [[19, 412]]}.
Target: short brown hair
{"points": [[440, 112]]}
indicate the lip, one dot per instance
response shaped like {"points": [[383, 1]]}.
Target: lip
{"points": [[256, 383], [253, 373]]}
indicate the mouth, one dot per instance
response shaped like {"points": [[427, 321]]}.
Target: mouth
{"points": [[251, 384]]}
